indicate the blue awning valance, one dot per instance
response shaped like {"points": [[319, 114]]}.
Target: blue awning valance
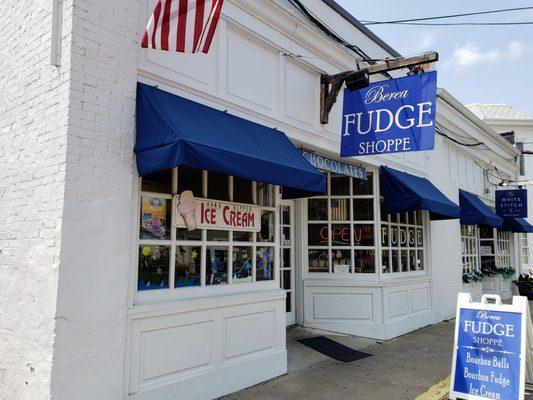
{"points": [[173, 131], [519, 225], [405, 192], [475, 212]]}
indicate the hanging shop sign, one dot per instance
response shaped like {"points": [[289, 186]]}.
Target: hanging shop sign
{"points": [[393, 116], [511, 203], [331, 165], [489, 357], [194, 213]]}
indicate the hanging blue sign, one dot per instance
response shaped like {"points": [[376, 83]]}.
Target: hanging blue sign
{"points": [[393, 116], [511, 203], [488, 354]]}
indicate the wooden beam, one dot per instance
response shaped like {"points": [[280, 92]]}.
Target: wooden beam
{"points": [[330, 85]]}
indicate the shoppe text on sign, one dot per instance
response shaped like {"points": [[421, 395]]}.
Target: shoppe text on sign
{"points": [[397, 115]]}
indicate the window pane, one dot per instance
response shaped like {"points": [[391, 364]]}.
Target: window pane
{"points": [[403, 236], [385, 261], [218, 236], [364, 261], [242, 264], [403, 260], [288, 302], [394, 236], [413, 218], [362, 187], [395, 261], [317, 234], [286, 279], [188, 264], [363, 209], [267, 227], [265, 194], [216, 265], [264, 267], [412, 260], [286, 215], [340, 209], [363, 235], [486, 232], [286, 254], [242, 190], [420, 260], [155, 218], [318, 260], [340, 235], [184, 234], [153, 267], [419, 237], [411, 237], [342, 260], [217, 186], [383, 212], [190, 179], [385, 235], [160, 182], [403, 217], [340, 185], [240, 236], [317, 209]]}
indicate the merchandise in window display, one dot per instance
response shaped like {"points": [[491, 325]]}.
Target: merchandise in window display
{"points": [[187, 267], [153, 216], [242, 267], [263, 265], [217, 267], [153, 268]]}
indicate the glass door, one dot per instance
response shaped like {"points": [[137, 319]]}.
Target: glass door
{"points": [[287, 257]]}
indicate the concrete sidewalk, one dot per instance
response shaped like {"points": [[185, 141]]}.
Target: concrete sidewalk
{"points": [[401, 368]]}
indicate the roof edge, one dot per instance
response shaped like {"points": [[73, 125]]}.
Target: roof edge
{"points": [[351, 19]]}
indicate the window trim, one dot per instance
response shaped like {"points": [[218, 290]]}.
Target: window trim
{"points": [[476, 255]]}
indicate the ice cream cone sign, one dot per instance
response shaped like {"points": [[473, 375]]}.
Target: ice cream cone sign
{"points": [[186, 207]]}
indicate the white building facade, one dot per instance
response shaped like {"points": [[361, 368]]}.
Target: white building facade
{"points": [[98, 305]]}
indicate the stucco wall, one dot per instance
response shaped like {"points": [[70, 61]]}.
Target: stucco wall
{"points": [[33, 125]]}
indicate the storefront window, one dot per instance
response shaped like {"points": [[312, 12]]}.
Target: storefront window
{"points": [[171, 252], [487, 249], [524, 249], [341, 227], [469, 248], [402, 242], [504, 249]]}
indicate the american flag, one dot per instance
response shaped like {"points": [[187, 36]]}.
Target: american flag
{"points": [[186, 26]]}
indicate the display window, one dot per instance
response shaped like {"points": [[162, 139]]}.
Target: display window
{"points": [[178, 248], [470, 248], [402, 242], [524, 248], [495, 248], [341, 227]]}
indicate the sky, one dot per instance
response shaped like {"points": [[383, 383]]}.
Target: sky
{"points": [[477, 64]]}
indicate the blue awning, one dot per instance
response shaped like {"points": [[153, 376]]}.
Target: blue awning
{"points": [[519, 225], [173, 131], [405, 192], [475, 212]]}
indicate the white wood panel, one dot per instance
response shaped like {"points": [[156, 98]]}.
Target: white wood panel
{"points": [[343, 306], [420, 299], [174, 350], [301, 93], [249, 333], [254, 78], [398, 303]]}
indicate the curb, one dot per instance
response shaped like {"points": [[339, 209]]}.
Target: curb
{"points": [[439, 391]]}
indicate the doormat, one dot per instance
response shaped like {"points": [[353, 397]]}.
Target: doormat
{"points": [[333, 349]]}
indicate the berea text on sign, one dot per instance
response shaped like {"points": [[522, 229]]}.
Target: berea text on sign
{"points": [[397, 115]]}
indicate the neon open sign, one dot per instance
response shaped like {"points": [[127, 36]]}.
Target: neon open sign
{"points": [[340, 235]]}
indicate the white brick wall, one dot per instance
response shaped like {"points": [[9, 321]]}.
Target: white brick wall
{"points": [[65, 191], [96, 238], [33, 125]]}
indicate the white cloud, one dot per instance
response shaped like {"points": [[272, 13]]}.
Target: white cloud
{"points": [[471, 54]]}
